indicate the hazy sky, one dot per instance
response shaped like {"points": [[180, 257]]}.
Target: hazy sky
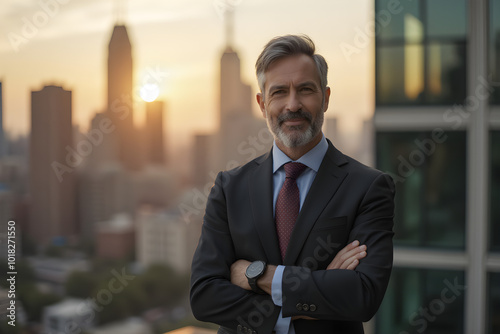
{"points": [[64, 42]]}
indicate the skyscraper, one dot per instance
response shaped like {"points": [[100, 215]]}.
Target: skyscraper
{"points": [[120, 98], [3, 145], [52, 193], [241, 136], [235, 95], [154, 133], [437, 134]]}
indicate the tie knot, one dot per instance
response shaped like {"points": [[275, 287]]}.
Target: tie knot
{"points": [[294, 169]]}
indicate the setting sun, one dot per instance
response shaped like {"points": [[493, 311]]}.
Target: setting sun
{"points": [[149, 92]]}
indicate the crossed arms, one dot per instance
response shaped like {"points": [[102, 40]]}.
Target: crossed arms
{"points": [[350, 288]]}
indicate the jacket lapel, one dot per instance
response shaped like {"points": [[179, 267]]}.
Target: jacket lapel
{"points": [[326, 183], [261, 196]]}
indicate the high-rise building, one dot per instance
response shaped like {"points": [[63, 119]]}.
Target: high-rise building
{"points": [[103, 192], [52, 182], [155, 152], [241, 136], [437, 128], [120, 97], [3, 144]]}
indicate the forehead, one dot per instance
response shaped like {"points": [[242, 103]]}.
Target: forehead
{"points": [[292, 70]]}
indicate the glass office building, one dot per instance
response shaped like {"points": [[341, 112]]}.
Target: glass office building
{"points": [[437, 132]]}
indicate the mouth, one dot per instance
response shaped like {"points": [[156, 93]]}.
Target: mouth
{"points": [[295, 119], [294, 122]]}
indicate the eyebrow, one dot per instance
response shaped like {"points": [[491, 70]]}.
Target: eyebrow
{"points": [[307, 83], [277, 87], [300, 85]]}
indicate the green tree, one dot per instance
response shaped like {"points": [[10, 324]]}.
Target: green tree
{"points": [[81, 284]]}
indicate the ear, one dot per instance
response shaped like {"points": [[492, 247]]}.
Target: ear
{"points": [[327, 98], [260, 101]]}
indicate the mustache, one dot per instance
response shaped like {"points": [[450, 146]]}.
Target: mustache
{"points": [[294, 115]]}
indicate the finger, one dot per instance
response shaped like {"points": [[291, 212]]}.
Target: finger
{"points": [[345, 253], [353, 253], [348, 247], [353, 265], [347, 264]]}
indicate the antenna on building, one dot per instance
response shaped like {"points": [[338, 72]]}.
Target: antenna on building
{"points": [[229, 21], [120, 10]]}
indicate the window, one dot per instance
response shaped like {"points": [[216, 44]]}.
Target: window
{"points": [[429, 172], [494, 49], [493, 303], [494, 191], [421, 52], [423, 301]]}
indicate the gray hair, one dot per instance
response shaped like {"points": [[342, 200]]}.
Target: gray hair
{"points": [[290, 45]]}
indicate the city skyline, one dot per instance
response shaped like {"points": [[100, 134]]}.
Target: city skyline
{"points": [[74, 56]]}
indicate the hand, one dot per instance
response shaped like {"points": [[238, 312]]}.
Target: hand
{"points": [[348, 257], [238, 277]]}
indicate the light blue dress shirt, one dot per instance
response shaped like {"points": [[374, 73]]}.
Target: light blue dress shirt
{"points": [[312, 160]]}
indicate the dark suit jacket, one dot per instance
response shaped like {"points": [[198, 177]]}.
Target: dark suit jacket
{"points": [[347, 201]]}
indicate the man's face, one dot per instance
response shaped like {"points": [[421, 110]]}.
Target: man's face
{"points": [[293, 102]]}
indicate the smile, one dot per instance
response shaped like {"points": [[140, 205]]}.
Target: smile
{"points": [[294, 121]]}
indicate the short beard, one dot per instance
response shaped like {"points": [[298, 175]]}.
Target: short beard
{"points": [[296, 138]]}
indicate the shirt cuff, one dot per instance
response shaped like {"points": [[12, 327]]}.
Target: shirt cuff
{"points": [[276, 293]]}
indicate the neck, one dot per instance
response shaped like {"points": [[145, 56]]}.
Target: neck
{"points": [[295, 153]]}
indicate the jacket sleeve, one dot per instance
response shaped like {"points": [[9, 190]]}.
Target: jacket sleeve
{"points": [[349, 295], [213, 297]]}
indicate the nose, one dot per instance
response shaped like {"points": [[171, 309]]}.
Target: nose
{"points": [[293, 102]]}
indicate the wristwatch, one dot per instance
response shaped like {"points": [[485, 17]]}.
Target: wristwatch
{"points": [[255, 270]]}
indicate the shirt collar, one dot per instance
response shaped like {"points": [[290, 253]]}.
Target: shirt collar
{"points": [[311, 159]]}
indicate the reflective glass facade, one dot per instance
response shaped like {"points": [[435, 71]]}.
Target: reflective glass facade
{"points": [[429, 171], [423, 301], [432, 57], [495, 191], [494, 48], [421, 52], [493, 303]]}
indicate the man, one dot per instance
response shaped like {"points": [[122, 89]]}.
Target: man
{"points": [[298, 240]]}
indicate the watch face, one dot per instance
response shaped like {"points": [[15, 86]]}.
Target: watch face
{"points": [[255, 269]]}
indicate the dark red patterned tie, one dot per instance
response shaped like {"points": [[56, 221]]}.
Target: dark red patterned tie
{"points": [[288, 205]]}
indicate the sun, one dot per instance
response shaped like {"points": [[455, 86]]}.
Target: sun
{"points": [[149, 92]]}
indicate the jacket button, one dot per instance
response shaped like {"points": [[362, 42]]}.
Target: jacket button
{"points": [[298, 307], [312, 307], [239, 328], [305, 307]]}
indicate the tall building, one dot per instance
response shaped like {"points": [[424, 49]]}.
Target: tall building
{"points": [[120, 97], [155, 151], [103, 192], [241, 136], [52, 182], [437, 128], [3, 144]]}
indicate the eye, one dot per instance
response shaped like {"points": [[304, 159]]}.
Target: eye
{"points": [[278, 92]]}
